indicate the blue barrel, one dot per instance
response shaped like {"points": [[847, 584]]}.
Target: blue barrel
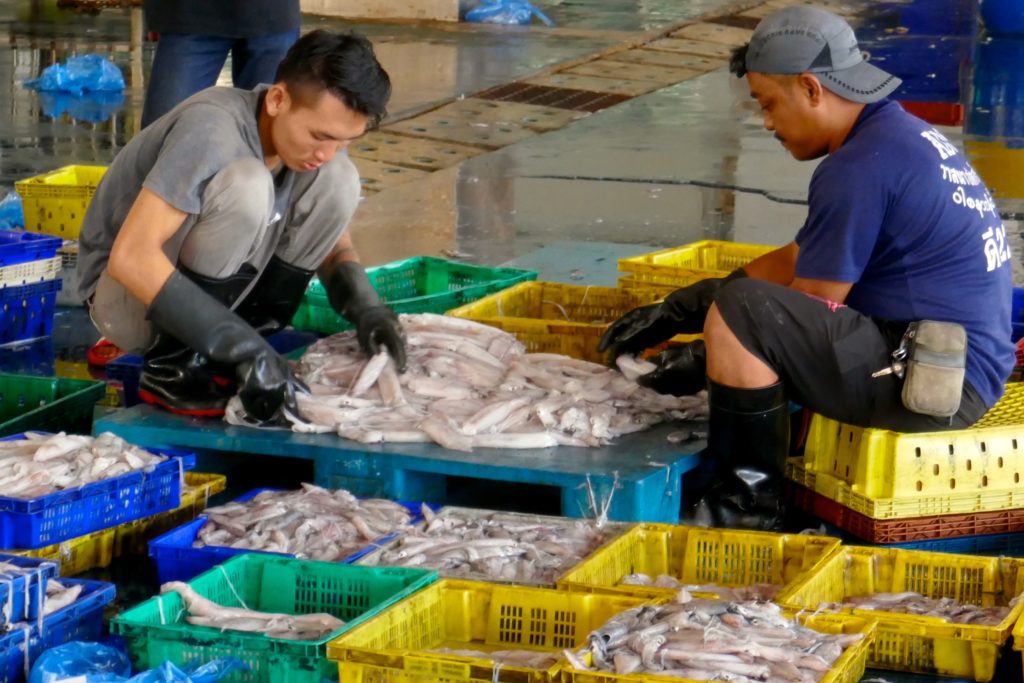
{"points": [[1003, 17]]}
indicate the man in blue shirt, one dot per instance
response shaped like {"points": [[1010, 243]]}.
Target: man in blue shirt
{"points": [[899, 229]]}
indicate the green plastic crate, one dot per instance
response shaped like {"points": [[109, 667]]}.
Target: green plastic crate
{"points": [[423, 284], [47, 404], [156, 630]]}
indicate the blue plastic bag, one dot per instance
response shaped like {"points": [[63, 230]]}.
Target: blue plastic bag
{"points": [[11, 215], [91, 107], [84, 73], [506, 12], [97, 663]]}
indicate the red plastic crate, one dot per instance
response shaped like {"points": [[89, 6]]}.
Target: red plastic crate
{"points": [[906, 530]]}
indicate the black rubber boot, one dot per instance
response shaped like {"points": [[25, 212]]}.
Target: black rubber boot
{"points": [[748, 440], [273, 301], [181, 380]]}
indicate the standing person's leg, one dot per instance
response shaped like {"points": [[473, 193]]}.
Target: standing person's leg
{"points": [[184, 64], [255, 60]]}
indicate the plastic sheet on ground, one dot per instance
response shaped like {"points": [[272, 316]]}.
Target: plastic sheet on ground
{"points": [[97, 663]]}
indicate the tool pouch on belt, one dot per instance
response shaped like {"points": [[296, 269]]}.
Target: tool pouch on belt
{"points": [[935, 359]]}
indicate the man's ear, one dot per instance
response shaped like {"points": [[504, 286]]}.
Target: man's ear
{"points": [[276, 99], [810, 86]]}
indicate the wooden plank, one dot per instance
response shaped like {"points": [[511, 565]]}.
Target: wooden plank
{"points": [[617, 86], [606, 68], [428, 155], [691, 47], [533, 116], [673, 59], [419, 10], [715, 33], [462, 130], [376, 175]]}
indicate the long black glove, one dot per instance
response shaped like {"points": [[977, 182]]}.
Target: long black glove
{"points": [[681, 371], [682, 312], [182, 309], [355, 299]]}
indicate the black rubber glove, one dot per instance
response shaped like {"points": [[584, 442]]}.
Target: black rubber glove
{"points": [[682, 370], [182, 309], [682, 312], [355, 299]]}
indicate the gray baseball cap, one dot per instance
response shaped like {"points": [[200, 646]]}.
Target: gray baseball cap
{"points": [[803, 39]]}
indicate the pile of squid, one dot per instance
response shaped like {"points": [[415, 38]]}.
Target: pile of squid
{"points": [[467, 386], [712, 640]]}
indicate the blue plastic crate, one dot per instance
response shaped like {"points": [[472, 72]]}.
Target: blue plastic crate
{"points": [[26, 311], [38, 522], [996, 545], [126, 370], [18, 246], [20, 593], [81, 620], [177, 560]]}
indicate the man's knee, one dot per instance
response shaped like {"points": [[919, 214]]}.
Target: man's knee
{"points": [[243, 188], [732, 306]]}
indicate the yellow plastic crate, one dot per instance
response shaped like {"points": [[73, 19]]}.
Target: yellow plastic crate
{"points": [[683, 265], [694, 555], [917, 643], [98, 549], [849, 668], [628, 282], [55, 202], [549, 317], [833, 488], [393, 646], [132, 538], [77, 555], [878, 463]]}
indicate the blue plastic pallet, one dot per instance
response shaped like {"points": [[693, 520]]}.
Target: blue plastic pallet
{"points": [[21, 593], [57, 517], [177, 560], [19, 246], [82, 620], [644, 469]]}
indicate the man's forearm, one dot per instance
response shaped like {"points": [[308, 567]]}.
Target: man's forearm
{"points": [[777, 266]]}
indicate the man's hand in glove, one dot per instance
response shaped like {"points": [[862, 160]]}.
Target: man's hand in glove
{"points": [[355, 299], [682, 312], [378, 327], [681, 370], [183, 310]]}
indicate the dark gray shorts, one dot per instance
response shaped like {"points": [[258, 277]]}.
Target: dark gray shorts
{"points": [[825, 353]]}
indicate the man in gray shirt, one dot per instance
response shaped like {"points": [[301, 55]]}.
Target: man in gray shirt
{"points": [[209, 224]]}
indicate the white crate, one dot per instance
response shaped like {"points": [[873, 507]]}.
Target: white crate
{"points": [[30, 272]]}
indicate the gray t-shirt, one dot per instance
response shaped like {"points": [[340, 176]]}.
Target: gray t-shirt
{"points": [[174, 157]]}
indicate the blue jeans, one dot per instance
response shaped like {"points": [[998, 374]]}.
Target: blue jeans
{"points": [[186, 63]]}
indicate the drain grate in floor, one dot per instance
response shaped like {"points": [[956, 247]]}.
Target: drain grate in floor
{"points": [[562, 98]]}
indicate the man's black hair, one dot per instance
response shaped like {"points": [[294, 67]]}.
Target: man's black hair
{"points": [[344, 65], [738, 61]]}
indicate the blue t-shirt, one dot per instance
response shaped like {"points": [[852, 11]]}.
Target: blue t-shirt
{"points": [[898, 211]]}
